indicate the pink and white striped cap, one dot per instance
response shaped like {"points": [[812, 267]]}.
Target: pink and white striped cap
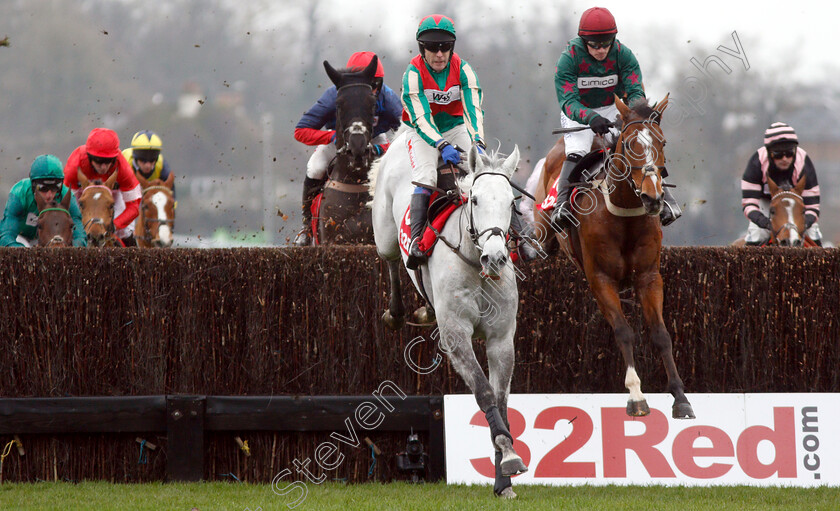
{"points": [[779, 132]]}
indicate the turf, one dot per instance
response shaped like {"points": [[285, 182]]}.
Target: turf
{"points": [[398, 496]]}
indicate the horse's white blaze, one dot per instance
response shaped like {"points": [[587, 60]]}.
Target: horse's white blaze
{"points": [[634, 385], [164, 232], [97, 195], [789, 204]]}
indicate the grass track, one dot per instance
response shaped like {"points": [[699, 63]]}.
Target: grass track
{"points": [[398, 496]]}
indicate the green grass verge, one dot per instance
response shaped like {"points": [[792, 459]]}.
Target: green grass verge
{"points": [[398, 496]]}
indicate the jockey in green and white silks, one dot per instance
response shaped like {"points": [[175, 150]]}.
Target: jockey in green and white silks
{"points": [[20, 218], [441, 98], [594, 69]]}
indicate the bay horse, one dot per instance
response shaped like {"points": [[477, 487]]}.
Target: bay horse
{"points": [[155, 225], [461, 282], [617, 240], [55, 225], [343, 217], [96, 201]]}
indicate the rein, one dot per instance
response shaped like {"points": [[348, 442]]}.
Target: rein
{"points": [[788, 225], [648, 171]]}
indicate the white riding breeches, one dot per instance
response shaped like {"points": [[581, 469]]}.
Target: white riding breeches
{"points": [[424, 157], [759, 236], [119, 207], [580, 142]]}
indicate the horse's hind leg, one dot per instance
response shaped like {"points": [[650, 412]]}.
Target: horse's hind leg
{"points": [[606, 294], [394, 317], [649, 290]]}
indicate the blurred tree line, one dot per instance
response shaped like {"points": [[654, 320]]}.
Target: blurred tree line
{"points": [[225, 82]]}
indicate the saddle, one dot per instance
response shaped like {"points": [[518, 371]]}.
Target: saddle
{"points": [[592, 161], [441, 207]]}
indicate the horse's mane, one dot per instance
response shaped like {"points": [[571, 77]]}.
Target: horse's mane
{"points": [[492, 160], [640, 107]]}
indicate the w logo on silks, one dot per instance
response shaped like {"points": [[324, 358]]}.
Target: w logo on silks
{"points": [[439, 97]]}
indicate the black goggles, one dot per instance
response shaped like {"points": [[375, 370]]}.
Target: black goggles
{"points": [[787, 153], [48, 185], [436, 47], [100, 161], [146, 155], [597, 45]]}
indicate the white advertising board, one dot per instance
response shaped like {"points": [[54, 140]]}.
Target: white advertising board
{"points": [[736, 439]]}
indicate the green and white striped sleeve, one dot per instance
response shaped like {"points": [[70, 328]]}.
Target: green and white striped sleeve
{"points": [[417, 106], [471, 98]]}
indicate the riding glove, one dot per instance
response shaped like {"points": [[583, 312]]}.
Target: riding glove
{"points": [[480, 147], [600, 125], [377, 149], [450, 154], [332, 138], [809, 221], [760, 220]]}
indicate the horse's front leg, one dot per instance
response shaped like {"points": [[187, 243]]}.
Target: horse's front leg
{"points": [[606, 294], [649, 290], [456, 341], [394, 317], [500, 355]]}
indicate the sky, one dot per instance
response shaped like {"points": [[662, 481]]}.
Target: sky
{"points": [[800, 35]]}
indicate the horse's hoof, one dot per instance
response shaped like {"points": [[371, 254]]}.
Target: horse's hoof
{"points": [[513, 466], [394, 323], [637, 408], [683, 411], [424, 316], [507, 493]]}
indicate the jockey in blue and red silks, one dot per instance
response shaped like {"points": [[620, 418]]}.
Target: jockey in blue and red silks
{"points": [[317, 127], [442, 101], [782, 160], [594, 68]]}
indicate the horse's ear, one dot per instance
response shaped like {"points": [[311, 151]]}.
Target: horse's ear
{"points": [[40, 202], [111, 179], [335, 76], [800, 186], [170, 181], [140, 179], [662, 105], [622, 108], [65, 201], [473, 159], [511, 162], [772, 185], [83, 180], [370, 71]]}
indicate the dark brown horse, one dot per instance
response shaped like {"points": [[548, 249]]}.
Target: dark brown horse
{"points": [[343, 217], [618, 238], [55, 225], [154, 226]]}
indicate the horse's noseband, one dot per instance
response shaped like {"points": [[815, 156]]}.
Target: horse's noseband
{"points": [[471, 230]]}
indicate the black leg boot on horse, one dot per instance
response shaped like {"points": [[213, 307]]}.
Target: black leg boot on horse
{"points": [[670, 209], [529, 248], [311, 189], [419, 214], [562, 217]]}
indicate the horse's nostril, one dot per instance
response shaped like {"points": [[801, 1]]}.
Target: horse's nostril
{"points": [[484, 259]]}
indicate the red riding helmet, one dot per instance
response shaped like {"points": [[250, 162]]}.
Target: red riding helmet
{"points": [[361, 59], [103, 143], [597, 24]]}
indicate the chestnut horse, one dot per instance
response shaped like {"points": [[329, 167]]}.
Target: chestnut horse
{"points": [[55, 225], [96, 201], [343, 217], [617, 241], [787, 214], [155, 224]]}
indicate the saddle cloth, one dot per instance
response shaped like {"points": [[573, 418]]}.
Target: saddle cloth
{"points": [[436, 220]]}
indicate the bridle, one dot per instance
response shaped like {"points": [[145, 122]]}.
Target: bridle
{"points": [[354, 128], [788, 225], [40, 213], [648, 171], [109, 229], [471, 230]]}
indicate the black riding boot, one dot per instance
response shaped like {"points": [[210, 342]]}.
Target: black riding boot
{"points": [[419, 213], [670, 210], [562, 216], [129, 241], [311, 189], [529, 248]]}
